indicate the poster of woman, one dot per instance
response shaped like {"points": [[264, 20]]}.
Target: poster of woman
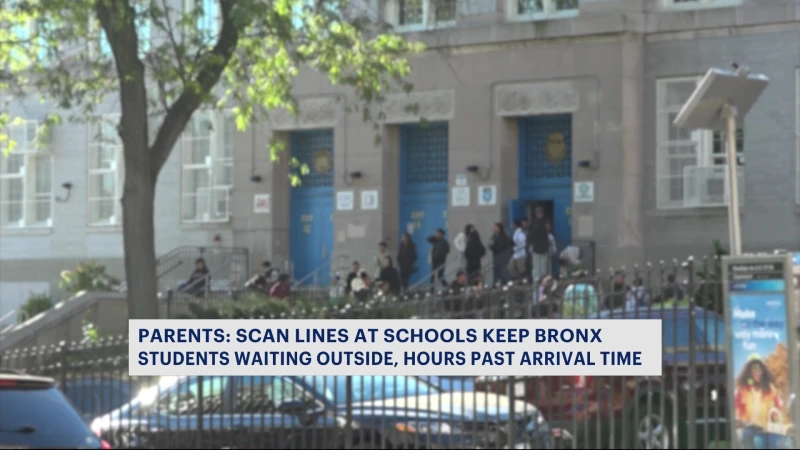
{"points": [[760, 360], [757, 400]]}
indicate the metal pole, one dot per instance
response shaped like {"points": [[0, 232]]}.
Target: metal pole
{"points": [[733, 183]]}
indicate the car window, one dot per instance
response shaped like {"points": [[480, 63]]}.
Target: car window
{"points": [[265, 394], [41, 418], [183, 398], [370, 388], [96, 398]]}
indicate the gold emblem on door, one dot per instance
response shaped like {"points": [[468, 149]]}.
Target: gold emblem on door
{"points": [[556, 148]]}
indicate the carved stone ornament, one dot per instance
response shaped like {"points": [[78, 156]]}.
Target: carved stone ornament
{"points": [[536, 98], [428, 105], [320, 112]]}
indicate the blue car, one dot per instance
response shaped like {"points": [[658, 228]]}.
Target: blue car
{"points": [[312, 412]]}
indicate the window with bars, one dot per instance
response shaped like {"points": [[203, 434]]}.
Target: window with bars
{"points": [[207, 167], [533, 9], [106, 172], [26, 179], [413, 15], [690, 164]]}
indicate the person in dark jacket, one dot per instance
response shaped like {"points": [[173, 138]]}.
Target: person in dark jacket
{"points": [[619, 292], [406, 259], [539, 245], [348, 285], [474, 252], [502, 248], [198, 280], [389, 275], [439, 252]]}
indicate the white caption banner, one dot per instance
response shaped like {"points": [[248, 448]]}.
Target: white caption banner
{"points": [[374, 347]]}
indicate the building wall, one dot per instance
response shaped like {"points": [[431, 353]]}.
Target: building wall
{"points": [[769, 212], [608, 56]]}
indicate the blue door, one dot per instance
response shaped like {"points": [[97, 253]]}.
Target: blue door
{"points": [[545, 169], [311, 232], [423, 187]]}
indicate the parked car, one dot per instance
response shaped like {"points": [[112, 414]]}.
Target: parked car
{"points": [[93, 397], [310, 412], [35, 414], [651, 412]]}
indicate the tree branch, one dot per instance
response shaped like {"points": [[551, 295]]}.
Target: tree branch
{"points": [[212, 66]]}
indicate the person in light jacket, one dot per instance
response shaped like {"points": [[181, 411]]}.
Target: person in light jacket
{"points": [[520, 255]]}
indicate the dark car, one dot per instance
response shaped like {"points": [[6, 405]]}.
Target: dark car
{"points": [[93, 397], [35, 414], [311, 412], [652, 412]]}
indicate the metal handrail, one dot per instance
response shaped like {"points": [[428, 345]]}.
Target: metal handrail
{"points": [[460, 256], [315, 272], [174, 266], [208, 276]]}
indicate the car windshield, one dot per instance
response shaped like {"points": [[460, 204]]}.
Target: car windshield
{"points": [[41, 418], [368, 389], [709, 332]]}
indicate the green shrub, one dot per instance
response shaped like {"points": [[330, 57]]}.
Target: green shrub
{"points": [[36, 304], [87, 276]]}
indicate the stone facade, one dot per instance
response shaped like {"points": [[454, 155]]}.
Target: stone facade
{"points": [[599, 64]]}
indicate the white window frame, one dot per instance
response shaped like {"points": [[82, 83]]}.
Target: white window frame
{"points": [[189, 5], [671, 5], [215, 162], [117, 169], [94, 46], [704, 155], [549, 11], [392, 15], [30, 151]]}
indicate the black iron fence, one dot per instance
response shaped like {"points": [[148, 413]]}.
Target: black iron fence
{"points": [[684, 408]]}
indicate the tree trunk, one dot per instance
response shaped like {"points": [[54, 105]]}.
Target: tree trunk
{"points": [[139, 236]]}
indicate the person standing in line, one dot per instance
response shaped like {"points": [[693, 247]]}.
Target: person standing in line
{"points": [[539, 245], [348, 286], [406, 259], [474, 252], [520, 255], [502, 248], [383, 251], [526, 228], [439, 253], [390, 276]]}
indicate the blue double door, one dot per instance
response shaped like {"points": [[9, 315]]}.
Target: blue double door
{"points": [[311, 224], [545, 174], [423, 188]]}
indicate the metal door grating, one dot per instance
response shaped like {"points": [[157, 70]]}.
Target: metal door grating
{"points": [[546, 147], [425, 148], [307, 147]]}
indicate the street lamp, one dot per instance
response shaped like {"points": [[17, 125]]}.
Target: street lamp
{"points": [[720, 102]]}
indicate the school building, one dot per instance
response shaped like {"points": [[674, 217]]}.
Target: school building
{"points": [[565, 103]]}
